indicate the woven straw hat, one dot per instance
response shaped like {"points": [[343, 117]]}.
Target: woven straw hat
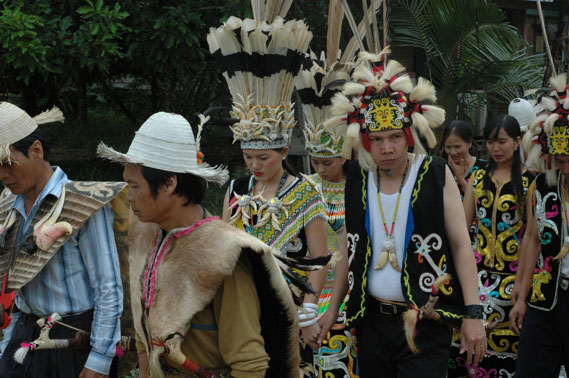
{"points": [[166, 142], [523, 111], [16, 124]]}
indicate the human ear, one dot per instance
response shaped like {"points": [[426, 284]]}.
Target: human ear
{"points": [[35, 150], [170, 185]]}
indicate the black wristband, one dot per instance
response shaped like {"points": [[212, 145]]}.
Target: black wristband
{"points": [[473, 312]]}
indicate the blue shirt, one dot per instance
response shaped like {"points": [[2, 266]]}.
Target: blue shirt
{"points": [[83, 275]]}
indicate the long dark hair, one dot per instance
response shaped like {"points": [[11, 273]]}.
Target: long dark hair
{"points": [[512, 128], [461, 129], [287, 165]]}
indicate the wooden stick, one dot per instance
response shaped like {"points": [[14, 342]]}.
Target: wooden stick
{"points": [[544, 31], [369, 35]]}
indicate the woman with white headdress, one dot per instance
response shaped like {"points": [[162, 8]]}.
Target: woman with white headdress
{"points": [[259, 61], [316, 84]]}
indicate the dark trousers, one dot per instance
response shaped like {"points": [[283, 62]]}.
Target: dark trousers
{"points": [[55, 363], [383, 351], [544, 341]]}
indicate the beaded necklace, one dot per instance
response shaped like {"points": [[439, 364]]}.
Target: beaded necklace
{"points": [[388, 245]]}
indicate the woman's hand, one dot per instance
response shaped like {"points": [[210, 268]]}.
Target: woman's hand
{"points": [[326, 323], [310, 335]]}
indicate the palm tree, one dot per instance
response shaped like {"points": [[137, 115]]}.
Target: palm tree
{"points": [[474, 57]]}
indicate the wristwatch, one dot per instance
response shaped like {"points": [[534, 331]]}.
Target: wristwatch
{"points": [[473, 312]]}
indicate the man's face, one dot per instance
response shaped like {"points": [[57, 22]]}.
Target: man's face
{"points": [[562, 163], [388, 148], [22, 175], [145, 206]]}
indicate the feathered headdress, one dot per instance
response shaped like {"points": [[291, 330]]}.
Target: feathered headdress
{"points": [[382, 97], [548, 135], [16, 124], [259, 61], [316, 84]]}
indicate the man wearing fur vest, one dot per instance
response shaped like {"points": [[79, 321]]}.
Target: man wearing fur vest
{"points": [[208, 300]]}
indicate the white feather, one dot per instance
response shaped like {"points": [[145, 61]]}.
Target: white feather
{"points": [[433, 114], [548, 124], [424, 90], [548, 103], [393, 68], [341, 105], [351, 139], [353, 89], [422, 124], [559, 82], [21, 354], [364, 73], [403, 83]]}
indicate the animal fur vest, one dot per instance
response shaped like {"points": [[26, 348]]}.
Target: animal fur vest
{"points": [[194, 263]]}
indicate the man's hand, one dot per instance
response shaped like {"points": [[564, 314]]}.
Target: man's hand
{"points": [[473, 341], [517, 314], [326, 322], [310, 335], [88, 373]]}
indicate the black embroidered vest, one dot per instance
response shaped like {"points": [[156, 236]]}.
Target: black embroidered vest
{"points": [[549, 219], [427, 253]]}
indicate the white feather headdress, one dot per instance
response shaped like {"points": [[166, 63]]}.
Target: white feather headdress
{"points": [[259, 61]]}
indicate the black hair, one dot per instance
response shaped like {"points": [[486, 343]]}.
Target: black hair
{"points": [[189, 186], [23, 145], [512, 128], [287, 165], [461, 129]]}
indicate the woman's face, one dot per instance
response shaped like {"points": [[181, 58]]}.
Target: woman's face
{"points": [[502, 147], [456, 148], [329, 169], [265, 164]]}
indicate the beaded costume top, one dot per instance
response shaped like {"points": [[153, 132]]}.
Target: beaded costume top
{"points": [[300, 203], [501, 224]]}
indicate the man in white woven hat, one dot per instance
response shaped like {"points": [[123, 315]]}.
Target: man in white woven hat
{"points": [[57, 252], [206, 297]]}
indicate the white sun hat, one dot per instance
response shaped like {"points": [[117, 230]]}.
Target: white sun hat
{"points": [[16, 124], [166, 142], [523, 111]]}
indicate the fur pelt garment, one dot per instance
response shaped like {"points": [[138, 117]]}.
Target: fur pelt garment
{"points": [[193, 269]]}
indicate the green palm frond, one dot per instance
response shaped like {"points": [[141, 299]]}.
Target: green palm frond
{"points": [[474, 56]]}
